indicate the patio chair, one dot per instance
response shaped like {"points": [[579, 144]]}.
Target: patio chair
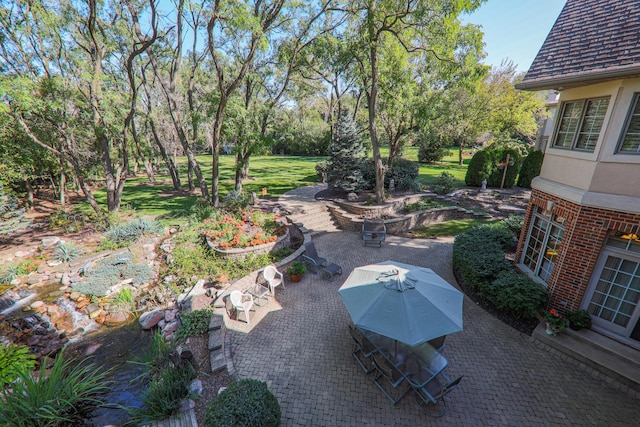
{"points": [[434, 391], [438, 343], [273, 277], [392, 376], [311, 257], [241, 304], [363, 349]]}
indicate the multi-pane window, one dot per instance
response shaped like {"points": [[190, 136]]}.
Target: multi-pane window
{"points": [[630, 142], [580, 124], [543, 244]]}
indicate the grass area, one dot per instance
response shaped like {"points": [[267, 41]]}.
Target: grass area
{"points": [[278, 174], [446, 229]]}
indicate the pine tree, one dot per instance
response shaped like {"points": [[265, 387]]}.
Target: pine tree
{"points": [[12, 216], [346, 159]]}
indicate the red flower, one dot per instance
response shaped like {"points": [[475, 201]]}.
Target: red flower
{"points": [[552, 311]]}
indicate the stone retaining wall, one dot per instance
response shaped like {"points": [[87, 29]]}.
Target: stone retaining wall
{"points": [[402, 225]]}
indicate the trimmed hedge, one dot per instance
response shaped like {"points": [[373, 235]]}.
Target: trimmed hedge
{"points": [[479, 258], [246, 403], [479, 169], [516, 293], [531, 166]]}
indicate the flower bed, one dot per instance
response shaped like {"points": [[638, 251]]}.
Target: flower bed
{"points": [[246, 232]]}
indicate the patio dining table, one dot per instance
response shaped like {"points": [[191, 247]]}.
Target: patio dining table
{"points": [[419, 364]]}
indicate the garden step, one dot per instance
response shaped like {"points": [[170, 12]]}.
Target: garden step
{"points": [[215, 322], [217, 360], [215, 339], [615, 362], [606, 344]]}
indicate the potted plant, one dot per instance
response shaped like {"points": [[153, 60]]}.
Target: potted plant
{"points": [[296, 270], [555, 322], [578, 319]]}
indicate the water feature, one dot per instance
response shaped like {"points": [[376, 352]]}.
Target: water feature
{"points": [[115, 348]]}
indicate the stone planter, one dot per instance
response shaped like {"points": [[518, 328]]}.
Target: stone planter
{"points": [[240, 253]]}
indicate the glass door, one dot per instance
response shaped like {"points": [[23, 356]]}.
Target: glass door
{"points": [[614, 296]]}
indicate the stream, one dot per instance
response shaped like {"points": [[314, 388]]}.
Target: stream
{"points": [[114, 348]]}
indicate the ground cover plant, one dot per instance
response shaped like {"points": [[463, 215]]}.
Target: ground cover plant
{"points": [[242, 229], [111, 270], [245, 403]]}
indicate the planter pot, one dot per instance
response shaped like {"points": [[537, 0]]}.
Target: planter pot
{"points": [[552, 330], [295, 277]]}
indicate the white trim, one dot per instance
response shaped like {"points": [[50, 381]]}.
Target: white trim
{"points": [[587, 198]]}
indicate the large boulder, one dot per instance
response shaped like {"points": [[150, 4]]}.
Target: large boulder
{"points": [[151, 318]]}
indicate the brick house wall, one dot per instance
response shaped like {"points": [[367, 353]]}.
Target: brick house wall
{"points": [[586, 229]]}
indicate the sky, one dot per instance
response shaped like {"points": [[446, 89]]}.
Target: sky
{"points": [[515, 29]]}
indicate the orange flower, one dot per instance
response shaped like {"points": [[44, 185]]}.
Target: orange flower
{"points": [[552, 311]]}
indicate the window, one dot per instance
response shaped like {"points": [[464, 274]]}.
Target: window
{"points": [[543, 243], [630, 141], [580, 123]]}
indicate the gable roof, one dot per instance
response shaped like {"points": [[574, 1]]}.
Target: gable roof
{"points": [[591, 41]]}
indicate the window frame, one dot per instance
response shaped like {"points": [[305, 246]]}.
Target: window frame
{"points": [[581, 120], [635, 103], [538, 272]]}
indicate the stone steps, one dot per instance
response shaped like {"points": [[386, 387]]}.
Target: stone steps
{"points": [[599, 353]]}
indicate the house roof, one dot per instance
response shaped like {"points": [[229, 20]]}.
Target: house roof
{"points": [[591, 41]]}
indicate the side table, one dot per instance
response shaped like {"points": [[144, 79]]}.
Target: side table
{"points": [[260, 293]]}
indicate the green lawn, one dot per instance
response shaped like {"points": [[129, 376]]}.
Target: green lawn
{"points": [[278, 174], [446, 229]]}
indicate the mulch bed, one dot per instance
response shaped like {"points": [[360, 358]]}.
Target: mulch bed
{"points": [[526, 326]]}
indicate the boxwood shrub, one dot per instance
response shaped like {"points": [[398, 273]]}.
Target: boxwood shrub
{"points": [[518, 294], [246, 403], [479, 258]]}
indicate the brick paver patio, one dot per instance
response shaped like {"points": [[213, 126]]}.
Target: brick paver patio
{"points": [[303, 352]]}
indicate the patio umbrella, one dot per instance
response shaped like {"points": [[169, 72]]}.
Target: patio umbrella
{"points": [[406, 303]]}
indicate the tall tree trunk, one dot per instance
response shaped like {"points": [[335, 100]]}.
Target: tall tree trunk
{"points": [[373, 106], [29, 193], [175, 178], [63, 184]]}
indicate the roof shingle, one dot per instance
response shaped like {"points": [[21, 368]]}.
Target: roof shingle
{"points": [[594, 39]]}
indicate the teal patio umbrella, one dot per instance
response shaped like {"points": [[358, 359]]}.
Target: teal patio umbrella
{"points": [[406, 303]]}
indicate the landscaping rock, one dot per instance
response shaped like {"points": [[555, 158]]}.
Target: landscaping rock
{"points": [[352, 197], [37, 304], [50, 242], [151, 318], [75, 296], [200, 301], [115, 318], [65, 280], [170, 315], [35, 279], [15, 282]]}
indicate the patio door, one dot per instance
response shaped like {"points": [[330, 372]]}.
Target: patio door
{"points": [[614, 294]]}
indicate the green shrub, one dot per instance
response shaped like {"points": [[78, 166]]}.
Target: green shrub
{"points": [[478, 254], [479, 169], [445, 183], [516, 293], [55, 396], [514, 223], [404, 173], [245, 403], [14, 359], [344, 168], [531, 166], [12, 215], [67, 252], [201, 210], [234, 201], [430, 148], [578, 319], [498, 154], [194, 323]]}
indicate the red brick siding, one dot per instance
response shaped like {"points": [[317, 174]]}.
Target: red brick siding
{"points": [[585, 232]]}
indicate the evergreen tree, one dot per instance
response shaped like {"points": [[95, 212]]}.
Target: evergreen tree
{"points": [[530, 168], [12, 216], [346, 159]]}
